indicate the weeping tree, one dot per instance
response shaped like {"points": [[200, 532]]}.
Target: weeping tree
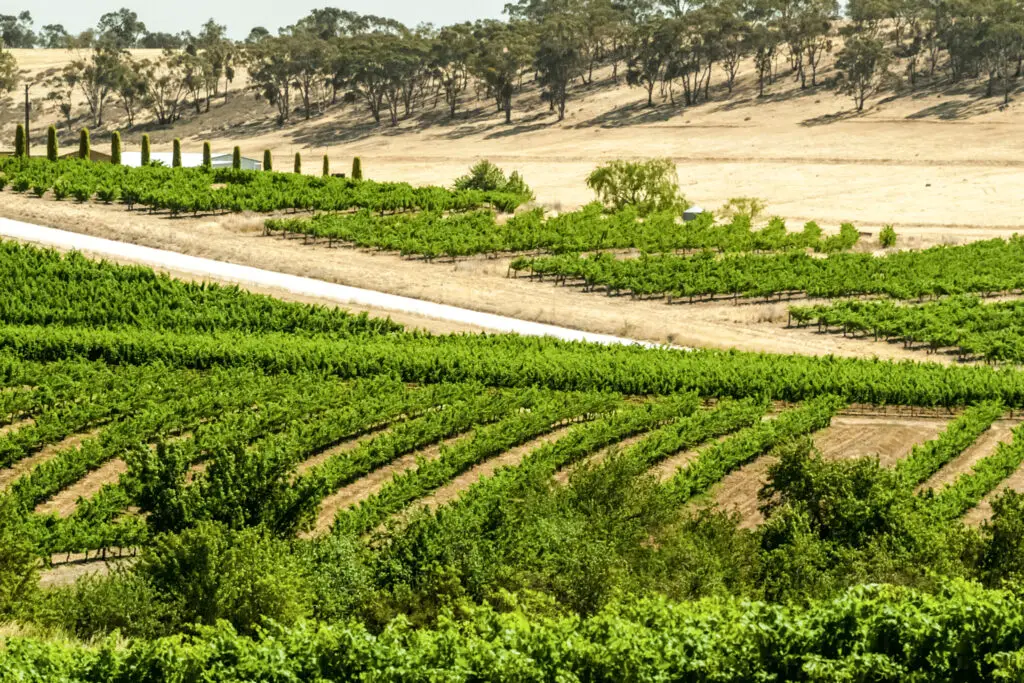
{"points": [[115, 149], [19, 142], [357, 169], [327, 166], [236, 158], [268, 161], [298, 163], [207, 156], [84, 146], [176, 155], [52, 149], [145, 150]]}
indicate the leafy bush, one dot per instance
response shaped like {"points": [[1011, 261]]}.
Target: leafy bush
{"points": [[648, 186], [487, 177], [268, 160], [751, 207], [357, 169], [887, 237], [145, 150]]}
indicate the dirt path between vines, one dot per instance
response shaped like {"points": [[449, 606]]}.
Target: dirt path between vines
{"points": [[9, 475], [66, 501], [1000, 432], [363, 488]]}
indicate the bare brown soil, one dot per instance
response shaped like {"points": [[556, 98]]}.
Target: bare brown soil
{"points": [[1000, 432], [9, 475], [65, 502], [891, 439], [737, 492], [16, 425], [67, 573]]}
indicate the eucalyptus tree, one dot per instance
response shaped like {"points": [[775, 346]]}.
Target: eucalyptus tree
{"points": [[503, 52]]}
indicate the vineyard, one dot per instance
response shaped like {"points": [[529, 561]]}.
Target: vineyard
{"points": [[202, 191], [993, 332], [432, 234], [984, 268], [265, 460]]}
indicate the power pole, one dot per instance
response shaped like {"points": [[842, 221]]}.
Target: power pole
{"points": [[28, 136]]}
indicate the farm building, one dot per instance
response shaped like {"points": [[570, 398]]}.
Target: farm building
{"points": [[189, 160], [692, 213]]}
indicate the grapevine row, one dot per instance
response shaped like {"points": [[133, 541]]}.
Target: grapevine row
{"points": [[992, 331], [487, 442], [434, 234], [980, 267], [199, 190]]}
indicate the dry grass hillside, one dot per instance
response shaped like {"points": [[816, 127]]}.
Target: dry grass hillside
{"points": [[941, 162]]}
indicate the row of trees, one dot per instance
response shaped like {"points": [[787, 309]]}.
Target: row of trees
{"points": [[677, 49]]}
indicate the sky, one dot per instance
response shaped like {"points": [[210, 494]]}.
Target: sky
{"points": [[242, 15]]}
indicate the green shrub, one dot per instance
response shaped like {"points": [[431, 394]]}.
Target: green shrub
{"points": [[61, 190], [145, 150], [108, 193], [327, 166], [236, 158], [52, 148], [207, 156], [357, 169], [298, 163], [751, 207], [487, 177], [84, 145], [648, 186], [176, 155], [115, 149], [268, 160], [887, 237]]}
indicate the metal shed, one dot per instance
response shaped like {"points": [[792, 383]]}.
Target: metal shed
{"points": [[692, 213]]}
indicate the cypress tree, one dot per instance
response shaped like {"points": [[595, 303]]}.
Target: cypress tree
{"points": [[236, 158], [327, 166], [52, 149], [19, 141], [145, 150], [298, 163], [84, 146], [115, 149], [357, 169], [207, 156], [176, 156], [268, 162]]}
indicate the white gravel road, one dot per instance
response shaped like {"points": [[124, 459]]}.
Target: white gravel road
{"points": [[246, 275]]}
